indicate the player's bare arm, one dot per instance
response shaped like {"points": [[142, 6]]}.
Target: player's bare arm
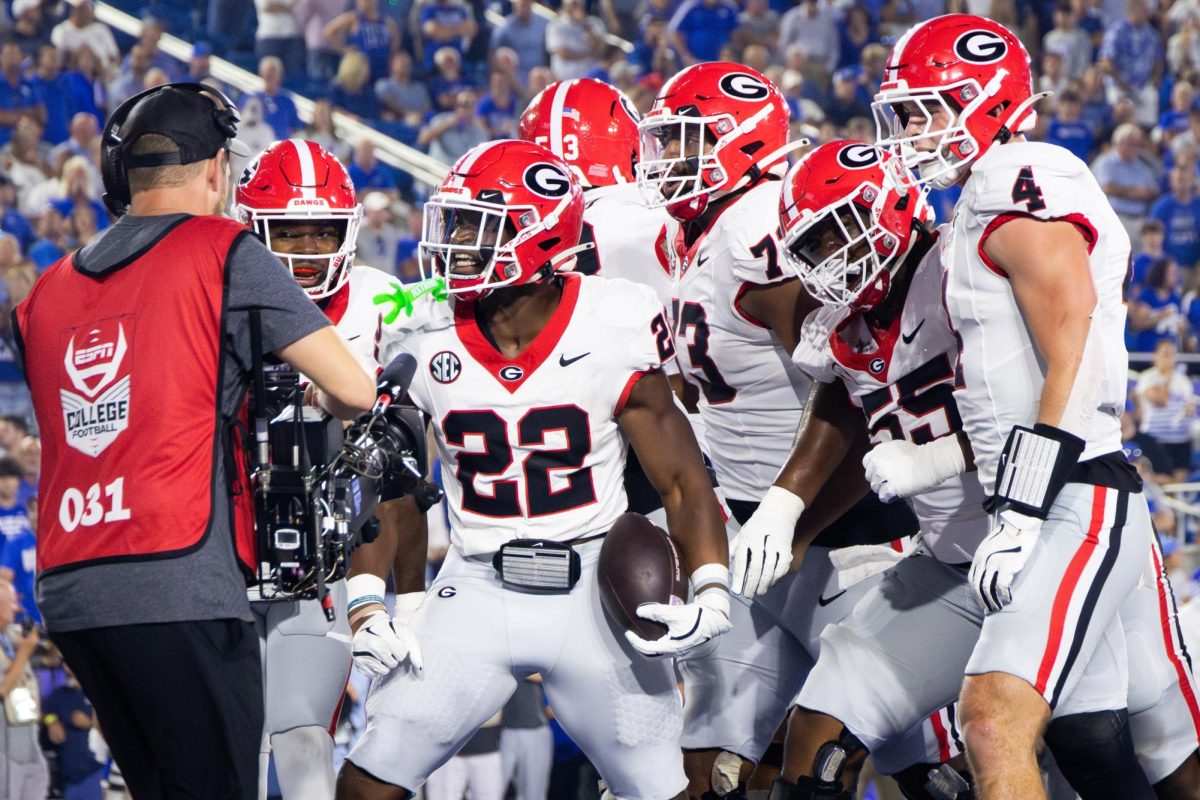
{"points": [[345, 389], [667, 449], [1056, 296]]}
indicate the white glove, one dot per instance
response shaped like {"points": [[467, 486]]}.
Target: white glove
{"points": [[899, 468], [762, 550], [692, 624], [1001, 555], [381, 644]]}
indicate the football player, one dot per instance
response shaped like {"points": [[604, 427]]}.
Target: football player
{"points": [[535, 381], [1035, 259], [300, 201], [714, 147]]}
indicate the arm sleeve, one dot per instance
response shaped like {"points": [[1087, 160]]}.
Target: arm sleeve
{"points": [[258, 281]]}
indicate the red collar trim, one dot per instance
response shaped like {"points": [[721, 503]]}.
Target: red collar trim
{"points": [[885, 341], [335, 307], [511, 373]]}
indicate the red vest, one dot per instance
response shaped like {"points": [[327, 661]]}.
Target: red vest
{"points": [[125, 372]]}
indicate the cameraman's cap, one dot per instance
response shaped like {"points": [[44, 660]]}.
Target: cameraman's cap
{"points": [[184, 117]]}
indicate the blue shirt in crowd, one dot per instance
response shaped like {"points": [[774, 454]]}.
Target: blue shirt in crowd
{"points": [[705, 29], [446, 14], [1182, 224], [280, 113], [14, 222], [75, 760], [14, 97], [1074, 136], [1144, 341], [1134, 51]]}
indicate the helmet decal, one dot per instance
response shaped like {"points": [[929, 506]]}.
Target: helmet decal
{"points": [[980, 47], [743, 86], [546, 180], [858, 156]]}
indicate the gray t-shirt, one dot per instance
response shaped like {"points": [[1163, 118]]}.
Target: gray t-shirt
{"points": [[207, 582]]}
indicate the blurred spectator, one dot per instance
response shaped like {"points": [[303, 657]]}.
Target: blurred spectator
{"points": [[1068, 40], [132, 77], [451, 134], [1183, 48], [53, 241], [758, 24], [25, 164], [1166, 403], [367, 172], [498, 109], [69, 720], [575, 41], [525, 32], [152, 31], [366, 30], [700, 28], [1176, 119], [77, 189], [88, 72], [377, 236], [1132, 58], [812, 25], [1097, 113], [445, 23], [449, 81], [56, 94], [1173, 563], [18, 552], [17, 97], [82, 224], [322, 131], [14, 518], [1179, 212], [399, 95], [13, 428], [757, 57], [1052, 79], [28, 29], [539, 79], [279, 111], [352, 89], [526, 743], [279, 34], [27, 776], [855, 32], [845, 104], [84, 141], [1151, 236], [1128, 181], [254, 130], [1067, 130], [12, 221], [408, 269], [1155, 312], [82, 29], [322, 56]]}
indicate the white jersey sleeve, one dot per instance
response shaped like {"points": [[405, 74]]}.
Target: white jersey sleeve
{"points": [[1001, 370], [628, 237]]}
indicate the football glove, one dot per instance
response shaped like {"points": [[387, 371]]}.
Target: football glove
{"points": [[688, 626], [900, 468], [382, 644], [1001, 555], [762, 550]]}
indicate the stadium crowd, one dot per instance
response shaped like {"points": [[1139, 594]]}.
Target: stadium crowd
{"points": [[1123, 78]]}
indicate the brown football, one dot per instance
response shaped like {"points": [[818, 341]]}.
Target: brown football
{"points": [[639, 564]]}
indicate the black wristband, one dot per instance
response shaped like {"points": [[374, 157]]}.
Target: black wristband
{"points": [[1034, 467]]}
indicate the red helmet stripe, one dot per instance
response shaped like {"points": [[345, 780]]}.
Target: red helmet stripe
{"points": [[308, 170]]}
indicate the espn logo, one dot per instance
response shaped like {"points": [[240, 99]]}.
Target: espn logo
{"points": [[95, 353]]}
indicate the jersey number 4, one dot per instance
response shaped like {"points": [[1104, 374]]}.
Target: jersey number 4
{"points": [[1025, 190], [496, 456]]}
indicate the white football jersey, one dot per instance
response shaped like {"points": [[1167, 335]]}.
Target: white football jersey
{"points": [[530, 447], [902, 377], [1002, 373], [358, 319], [751, 394], [629, 238]]}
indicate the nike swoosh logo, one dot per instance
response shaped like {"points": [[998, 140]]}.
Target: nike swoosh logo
{"points": [[824, 601], [563, 361], [352, 338], [700, 261], [908, 337]]}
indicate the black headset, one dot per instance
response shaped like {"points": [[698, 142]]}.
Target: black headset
{"points": [[115, 161]]}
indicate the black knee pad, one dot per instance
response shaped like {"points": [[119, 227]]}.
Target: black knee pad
{"points": [[773, 755], [736, 793], [1095, 753], [806, 788], [933, 782]]}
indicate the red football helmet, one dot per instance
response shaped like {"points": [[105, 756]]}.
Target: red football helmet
{"points": [[715, 128], [299, 181], [509, 213], [847, 218], [969, 79], [590, 125]]}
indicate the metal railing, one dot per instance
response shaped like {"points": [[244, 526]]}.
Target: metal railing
{"points": [[610, 39], [421, 166]]}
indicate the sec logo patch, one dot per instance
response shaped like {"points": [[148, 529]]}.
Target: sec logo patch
{"points": [[445, 367]]}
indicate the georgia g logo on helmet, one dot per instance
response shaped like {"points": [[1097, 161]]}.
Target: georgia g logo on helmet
{"points": [[546, 180], [857, 156], [743, 86], [980, 47]]}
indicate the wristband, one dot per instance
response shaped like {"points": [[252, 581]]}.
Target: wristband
{"points": [[710, 576], [779, 500], [362, 590], [1034, 467]]}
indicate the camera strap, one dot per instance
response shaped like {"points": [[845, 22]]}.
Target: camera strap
{"points": [[537, 565]]}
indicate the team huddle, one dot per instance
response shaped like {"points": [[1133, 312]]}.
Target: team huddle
{"points": [[888, 451]]}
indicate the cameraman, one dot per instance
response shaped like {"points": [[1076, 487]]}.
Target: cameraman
{"points": [[23, 774], [138, 351]]}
